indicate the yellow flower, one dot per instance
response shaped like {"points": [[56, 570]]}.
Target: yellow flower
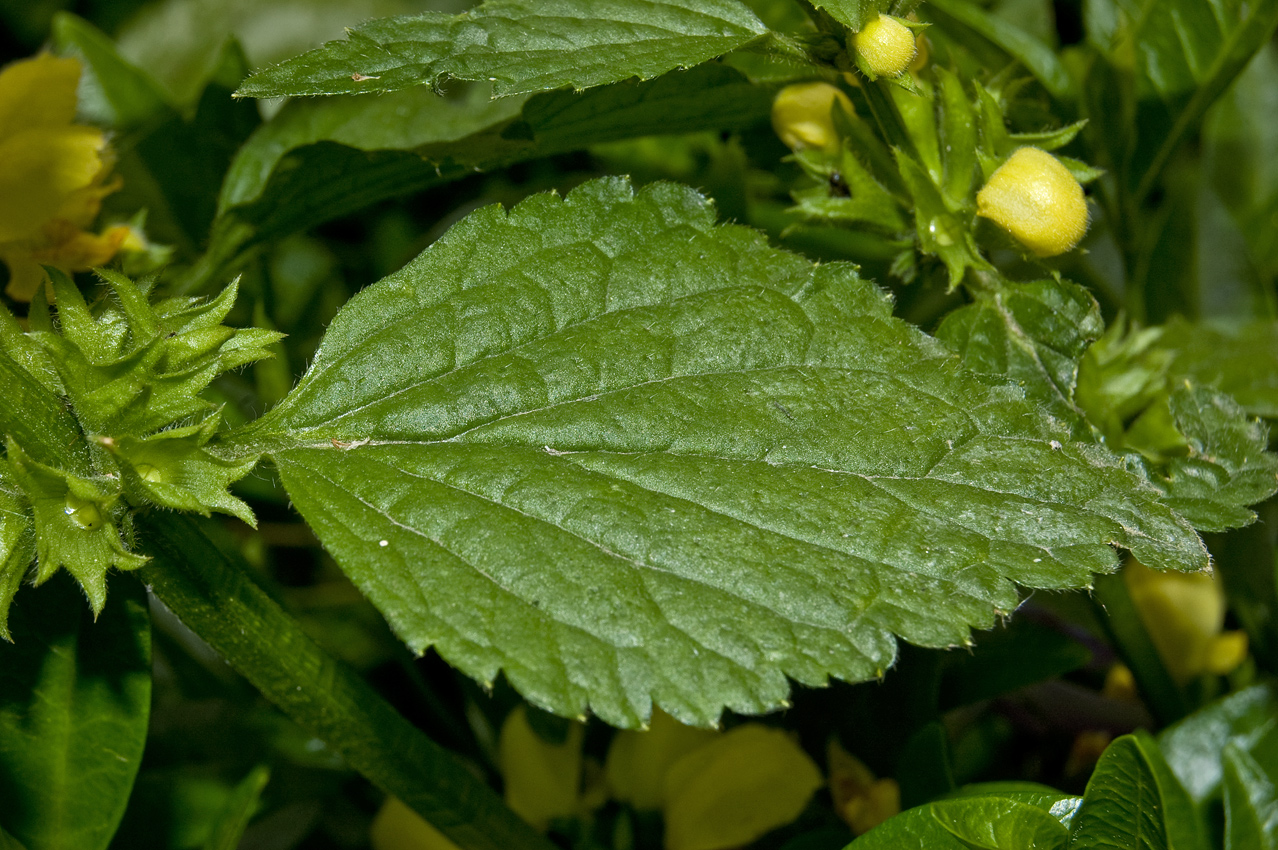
{"points": [[717, 790], [802, 116], [1184, 614], [53, 176], [862, 800], [638, 761], [543, 780]]}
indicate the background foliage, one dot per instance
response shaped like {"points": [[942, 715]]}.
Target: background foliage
{"points": [[513, 387]]}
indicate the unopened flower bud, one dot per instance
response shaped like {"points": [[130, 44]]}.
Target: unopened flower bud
{"points": [[802, 115], [1035, 198], [885, 45]]}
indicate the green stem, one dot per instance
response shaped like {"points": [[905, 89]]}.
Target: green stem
{"points": [[1122, 620], [212, 594]]}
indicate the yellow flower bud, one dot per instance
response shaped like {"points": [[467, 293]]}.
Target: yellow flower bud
{"points": [[1184, 614], [885, 45], [1035, 198], [801, 115]]}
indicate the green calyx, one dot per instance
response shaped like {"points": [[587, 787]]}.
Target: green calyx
{"points": [[132, 371]]}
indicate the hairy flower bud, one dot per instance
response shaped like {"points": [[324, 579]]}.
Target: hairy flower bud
{"points": [[885, 46], [1035, 198], [802, 115]]}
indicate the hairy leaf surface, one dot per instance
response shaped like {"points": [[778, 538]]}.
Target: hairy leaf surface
{"points": [[519, 46], [679, 464]]}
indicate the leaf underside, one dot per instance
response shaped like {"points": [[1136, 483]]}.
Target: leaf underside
{"points": [[520, 46], [679, 464]]}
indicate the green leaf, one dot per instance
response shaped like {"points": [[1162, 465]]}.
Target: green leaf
{"points": [[1032, 334], [77, 524], [915, 827], [1251, 802], [1038, 58], [981, 817], [1134, 801], [1239, 360], [321, 159], [8, 842], [1194, 745], [519, 46], [604, 431], [239, 810], [17, 544], [115, 93], [992, 823], [1227, 466], [74, 701], [1056, 803], [851, 13]]}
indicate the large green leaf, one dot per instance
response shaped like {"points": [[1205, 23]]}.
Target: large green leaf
{"points": [[1248, 718], [623, 454], [979, 818], [75, 696], [999, 824], [519, 46], [323, 158], [1134, 801], [1251, 802]]}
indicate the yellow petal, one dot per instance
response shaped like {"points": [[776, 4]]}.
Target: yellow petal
{"points": [[37, 93], [638, 761], [542, 779], [880, 801], [40, 171], [1183, 613], [25, 274], [398, 827], [74, 250], [859, 798], [1120, 684], [1228, 650], [736, 788]]}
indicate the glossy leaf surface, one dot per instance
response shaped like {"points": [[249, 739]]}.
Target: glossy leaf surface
{"points": [[321, 159], [519, 46], [682, 463], [1133, 800], [1251, 802]]}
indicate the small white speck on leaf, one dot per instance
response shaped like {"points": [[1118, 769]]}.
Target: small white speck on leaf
{"points": [[383, 542]]}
